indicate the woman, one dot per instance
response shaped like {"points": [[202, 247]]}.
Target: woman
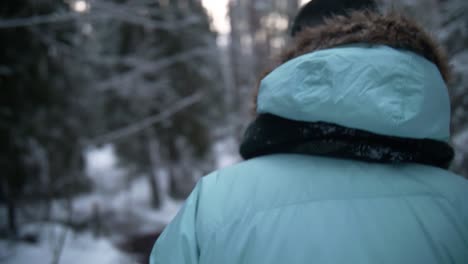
{"points": [[346, 161]]}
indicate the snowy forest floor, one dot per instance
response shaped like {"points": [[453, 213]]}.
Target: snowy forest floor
{"points": [[114, 223], [124, 218]]}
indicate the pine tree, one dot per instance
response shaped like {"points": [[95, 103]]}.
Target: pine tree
{"points": [[41, 115], [168, 58]]}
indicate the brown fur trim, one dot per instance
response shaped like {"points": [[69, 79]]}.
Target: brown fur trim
{"points": [[391, 29]]}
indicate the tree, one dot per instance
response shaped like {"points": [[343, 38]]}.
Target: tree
{"points": [[259, 30], [41, 118], [148, 67]]}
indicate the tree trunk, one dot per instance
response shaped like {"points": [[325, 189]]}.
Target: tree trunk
{"points": [[12, 224], [6, 196], [154, 160]]}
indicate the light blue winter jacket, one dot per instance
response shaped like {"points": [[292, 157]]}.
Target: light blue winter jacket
{"points": [[305, 209]]}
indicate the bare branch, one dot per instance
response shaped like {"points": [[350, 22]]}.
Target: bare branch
{"points": [[147, 122], [144, 66], [99, 14], [37, 20], [133, 15]]}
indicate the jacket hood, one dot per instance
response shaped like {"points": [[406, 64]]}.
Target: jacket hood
{"points": [[377, 73]]}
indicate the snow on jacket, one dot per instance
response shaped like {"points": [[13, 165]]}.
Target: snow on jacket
{"points": [[345, 163]]}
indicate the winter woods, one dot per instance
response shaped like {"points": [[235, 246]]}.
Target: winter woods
{"points": [[154, 82], [141, 76]]}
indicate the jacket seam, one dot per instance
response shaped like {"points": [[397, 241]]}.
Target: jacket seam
{"points": [[251, 215], [369, 197]]}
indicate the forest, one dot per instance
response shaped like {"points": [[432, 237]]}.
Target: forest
{"points": [[111, 110]]}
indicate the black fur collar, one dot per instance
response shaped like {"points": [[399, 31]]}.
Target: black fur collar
{"points": [[270, 134]]}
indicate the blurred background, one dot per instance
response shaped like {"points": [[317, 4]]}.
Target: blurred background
{"points": [[111, 110]]}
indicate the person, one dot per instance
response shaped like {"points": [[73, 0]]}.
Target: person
{"points": [[347, 158]]}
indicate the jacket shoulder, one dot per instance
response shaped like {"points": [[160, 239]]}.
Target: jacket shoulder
{"points": [[280, 180]]}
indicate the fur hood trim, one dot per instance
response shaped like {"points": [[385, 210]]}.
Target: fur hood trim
{"points": [[394, 30]]}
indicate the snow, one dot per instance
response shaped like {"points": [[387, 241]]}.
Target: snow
{"points": [[122, 200], [118, 206], [226, 152], [461, 144], [98, 159], [119, 201], [78, 248], [460, 61], [129, 209], [461, 138]]}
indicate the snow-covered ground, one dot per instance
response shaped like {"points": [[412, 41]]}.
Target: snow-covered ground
{"points": [[226, 152], [118, 208], [77, 248], [121, 205]]}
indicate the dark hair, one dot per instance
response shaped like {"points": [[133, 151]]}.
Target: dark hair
{"points": [[315, 12]]}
